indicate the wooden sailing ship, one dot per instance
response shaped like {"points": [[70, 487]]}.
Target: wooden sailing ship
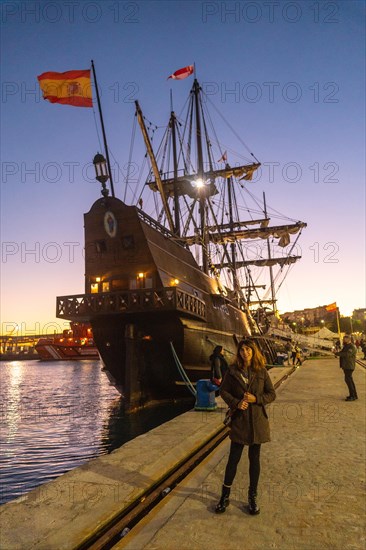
{"points": [[162, 289]]}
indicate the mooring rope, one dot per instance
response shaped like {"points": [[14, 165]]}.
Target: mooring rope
{"points": [[182, 372]]}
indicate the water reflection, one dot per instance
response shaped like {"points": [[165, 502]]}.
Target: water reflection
{"points": [[57, 415], [12, 387]]}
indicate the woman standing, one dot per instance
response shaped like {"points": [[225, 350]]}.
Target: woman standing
{"points": [[246, 389]]}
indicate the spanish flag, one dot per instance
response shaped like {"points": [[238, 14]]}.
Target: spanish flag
{"points": [[70, 88], [331, 307]]}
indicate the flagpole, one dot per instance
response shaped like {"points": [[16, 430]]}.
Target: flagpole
{"points": [[103, 130], [338, 326]]}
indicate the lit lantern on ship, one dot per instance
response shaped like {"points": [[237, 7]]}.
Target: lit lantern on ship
{"points": [[101, 172]]}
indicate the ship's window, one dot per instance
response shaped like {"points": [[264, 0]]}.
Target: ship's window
{"points": [[94, 288], [141, 282], [105, 287], [100, 246]]}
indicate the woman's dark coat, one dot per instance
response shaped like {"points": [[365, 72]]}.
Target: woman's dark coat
{"points": [[249, 426]]}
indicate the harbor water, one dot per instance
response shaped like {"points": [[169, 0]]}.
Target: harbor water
{"points": [[57, 415]]}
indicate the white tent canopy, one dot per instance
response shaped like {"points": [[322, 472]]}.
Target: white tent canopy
{"points": [[326, 334]]}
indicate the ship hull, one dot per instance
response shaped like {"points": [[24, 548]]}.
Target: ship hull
{"points": [[142, 356]]}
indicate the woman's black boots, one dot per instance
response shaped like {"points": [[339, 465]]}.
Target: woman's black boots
{"points": [[252, 502], [224, 500]]}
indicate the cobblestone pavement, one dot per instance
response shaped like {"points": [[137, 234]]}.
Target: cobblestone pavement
{"points": [[312, 486]]}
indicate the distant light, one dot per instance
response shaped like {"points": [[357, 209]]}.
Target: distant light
{"points": [[141, 275], [97, 279], [175, 282]]}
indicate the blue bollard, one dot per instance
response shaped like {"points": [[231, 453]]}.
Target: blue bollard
{"points": [[205, 397]]}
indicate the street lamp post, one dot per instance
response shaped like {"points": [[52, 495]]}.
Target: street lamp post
{"points": [[101, 172]]}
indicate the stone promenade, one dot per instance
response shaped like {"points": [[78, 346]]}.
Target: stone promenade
{"points": [[312, 486]]}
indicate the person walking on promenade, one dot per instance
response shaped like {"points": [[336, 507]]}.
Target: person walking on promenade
{"points": [[219, 365], [246, 389], [293, 353], [363, 347], [347, 362], [298, 357]]}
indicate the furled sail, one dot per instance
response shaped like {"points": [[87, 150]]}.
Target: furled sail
{"points": [[264, 262], [223, 237], [186, 183]]}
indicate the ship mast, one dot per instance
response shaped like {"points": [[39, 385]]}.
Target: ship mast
{"points": [[269, 257], [173, 122], [231, 222], [154, 165], [202, 201], [231, 195]]}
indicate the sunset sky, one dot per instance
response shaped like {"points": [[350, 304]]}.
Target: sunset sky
{"points": [[289, 76]]}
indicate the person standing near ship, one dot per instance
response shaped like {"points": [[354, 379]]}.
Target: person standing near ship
{"points": [[347, 362], [246, 389], [219, 365]]}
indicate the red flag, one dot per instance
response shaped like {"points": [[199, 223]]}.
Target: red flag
{"points": [[331, 307], [70, 88], [182, 73]]}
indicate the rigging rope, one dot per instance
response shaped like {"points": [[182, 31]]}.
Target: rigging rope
{"points": [[132, 143], [230, 127], [182, 372]]}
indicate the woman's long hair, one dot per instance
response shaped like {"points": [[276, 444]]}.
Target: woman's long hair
{"points": [[258, 360]]}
